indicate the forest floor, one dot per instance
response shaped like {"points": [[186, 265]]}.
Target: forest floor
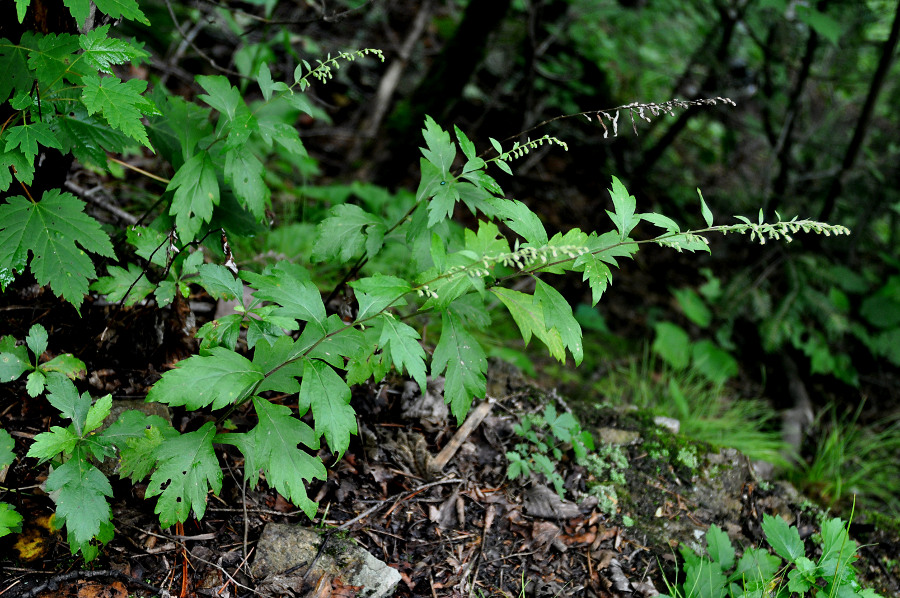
{"points": [[439, 507]]}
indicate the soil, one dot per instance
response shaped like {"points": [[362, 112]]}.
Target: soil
{"points": [[463, 529]]}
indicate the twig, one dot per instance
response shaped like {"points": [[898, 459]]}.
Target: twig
{"points": [[91, 196]]}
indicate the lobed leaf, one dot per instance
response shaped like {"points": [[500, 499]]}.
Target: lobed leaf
{"points": [[329, 396], [196, 193], [121, 104], [79, 490], [459, 354], [403, 343], [342, 235], [216, 380], [288, 285]]}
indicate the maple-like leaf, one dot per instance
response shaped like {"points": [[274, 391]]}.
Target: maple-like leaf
{"points": [[342, 235], [121, 104], [87, 137], [102, 51], [218, 379], [196, 193], [14, 73], [465, 363], [53, 58], [272, 446], [188, 468], [79, 490], [120, 281], [27, 137], [50, 229], [329, 396], [441, 150], [403, 343], [15, 161], [623, 215], [128, 9], [288, 285]]}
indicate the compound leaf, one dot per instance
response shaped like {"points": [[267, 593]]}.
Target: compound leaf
{"points": [[196, 193], [623, 216], [79, 490], [289, 285], [50, 229], [441, 151], [465, 363], [329, 397], [119, 284], [188, 468], [101, 51], [218, 379]]}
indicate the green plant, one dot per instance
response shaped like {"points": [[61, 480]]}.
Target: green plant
{"points": [[759, 572], [294, 346], [10, 520], [545, 435]]}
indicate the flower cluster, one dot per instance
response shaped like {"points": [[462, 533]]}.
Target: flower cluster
{"points": [[784, 230]]}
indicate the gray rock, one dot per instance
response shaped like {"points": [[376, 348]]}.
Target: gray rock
{"points": [[283, 547]]}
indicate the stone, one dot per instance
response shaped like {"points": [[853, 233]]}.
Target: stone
{"points": [[283, 547]]}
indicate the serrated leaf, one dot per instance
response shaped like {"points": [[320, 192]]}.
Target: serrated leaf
{"points": [[132, 425], [97, 413], [121, 104], [131, 284], [13, 362], [80, 9], [704, 209], [375, 293], [285, 135], [196, 193], [220, 283], [529, 317], [342, 235], [784, 539], [7, 456], [757, 564], [62, 394], [244, 172], [443, 201], [14, 72], [288, 285], [462, 358], [719, 547], [329, 396], [220, 94], [66, 364], [17, 162], [403, 343], [272, 446], [50, 229], [53, 58], [188, 468], [138, 456], [623, 216], [10, 520], [188, 122], [558, 316], [467, 147], [37, 340], [28, 136], [521, 220], [128, 9], [79, 490], [218, 379], [662, 222], [150, 244], [264, 80], [222, 332], [101, 51], [47, 445], [441, 151], [34, 383], [87, 137], [705, 580]]}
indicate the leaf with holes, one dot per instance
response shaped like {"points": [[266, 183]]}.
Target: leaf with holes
{"points": [[187, 467], [50, 229]]}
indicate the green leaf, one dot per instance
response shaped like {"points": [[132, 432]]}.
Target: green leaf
{"points": [[10, 520], [467, 146], [521, 220], [719, 547], [459, 354], [50, 229], [264, 80], [704, 210], [756, 564], [62, 394], [37, 340], [558, 317], [14, 72], [220, 283], [47, 445], [218, 379], [188, 122], [623, 216], [403, 343], [220, 94], [244, 172], [121, 104], [80, 9], [342, 235], [128, 9], [53, 58], [272, 446], [87, 137], [821, 23], [375, 293], [27, 137], [705, 580], [441, 151], [188, 468], [101, 51], [66, 364], [329, 396], [529, 316], [838, 550], [784, 539], [14, 360], [138, 456], [596, 273], [7, 456], [713, 362], [673, 344], [662, 222], [693, 306], [34, 383], [120, 281], [97, 413], [18, 162], [79, 490], [196, 193], [289, 285]]}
